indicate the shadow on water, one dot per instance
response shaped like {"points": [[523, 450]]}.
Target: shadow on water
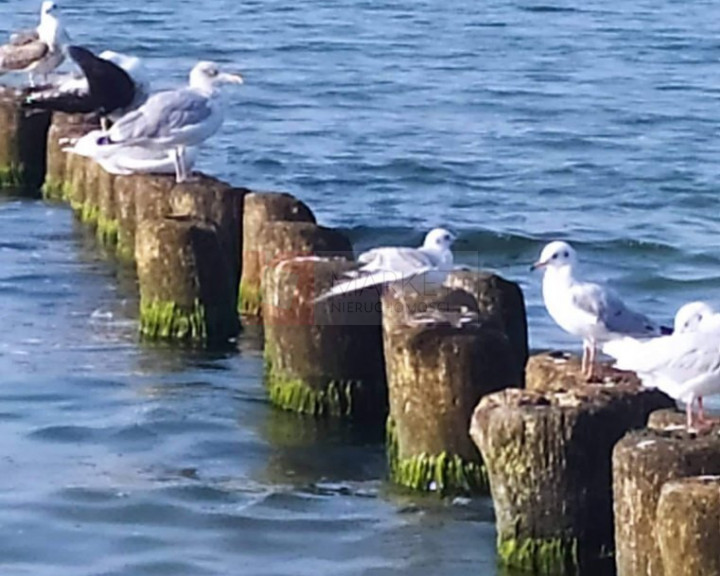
{"points": [[309, 452]]}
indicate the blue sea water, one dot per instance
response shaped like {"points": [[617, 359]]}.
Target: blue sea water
{"points": [[513, 122]]}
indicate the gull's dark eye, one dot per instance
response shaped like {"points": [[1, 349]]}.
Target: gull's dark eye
{"points": [[566, 254], [554, 256], [446, 237]]}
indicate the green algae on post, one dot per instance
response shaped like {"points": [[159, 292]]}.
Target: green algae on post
{"points": [[107, 231], [442, 473], [440, 361], [548, 458], [170, 321], [554, 556], [260, 208], [185, 291], [250, 298], [322, 358]]}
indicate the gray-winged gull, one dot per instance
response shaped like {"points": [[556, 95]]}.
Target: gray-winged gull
{"points": [[125, 160], [38, 51], [176, 119], [430, 263], [591, 311], [684, 365]]}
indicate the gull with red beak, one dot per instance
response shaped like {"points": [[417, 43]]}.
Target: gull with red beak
{"points": [[586, 310], [176, 119]]}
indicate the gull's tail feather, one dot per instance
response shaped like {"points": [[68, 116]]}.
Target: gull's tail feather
{"points": [[623, 350]]}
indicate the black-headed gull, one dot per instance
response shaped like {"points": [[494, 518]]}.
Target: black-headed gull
{"points": [[584, 309]]}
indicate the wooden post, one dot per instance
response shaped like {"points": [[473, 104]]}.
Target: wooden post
{"points": [[324, 358], [185, 290], [208, 198], [642, 462], [688, 526], [260, 208], [548, 457], [440, 361], [63, 127], [560, 371], [502, 303], [23, 143]]}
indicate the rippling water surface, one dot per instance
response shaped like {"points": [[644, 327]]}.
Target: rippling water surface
{"points": [[512, 122]]}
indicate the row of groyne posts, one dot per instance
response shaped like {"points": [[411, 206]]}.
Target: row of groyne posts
{"points": [[583, 477]]}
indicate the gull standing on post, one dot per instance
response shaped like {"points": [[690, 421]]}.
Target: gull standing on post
{"points": [[431, 263], [685, 365], [176, 119], [590, 311], [37, 51]]}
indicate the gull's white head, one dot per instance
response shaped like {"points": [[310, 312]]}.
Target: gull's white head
{"points": [[206, 75], [48, 7], [690, 316], [439, 239], [556, 255]]}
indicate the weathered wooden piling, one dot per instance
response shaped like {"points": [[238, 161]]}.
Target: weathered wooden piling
{"points": [[548, 458], [211, 199], [560, 371], [688, 526], [186, 293], [63, 128], [441, 359], [23, 143], [77, 179], [139, 197], [500, 302], [643, 462], [322, 358], [260, 208]]}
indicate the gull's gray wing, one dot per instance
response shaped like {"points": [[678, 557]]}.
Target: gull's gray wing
{"points": [[163, 114], [611, 312], [404, 261], [19, 57], [24, 37]]}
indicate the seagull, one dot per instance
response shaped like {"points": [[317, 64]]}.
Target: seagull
{"points": [[37, 51], [694, 315], [684, 365], [431, 262], [594, 313], [127, 160], [176, 119], [111, 85]]}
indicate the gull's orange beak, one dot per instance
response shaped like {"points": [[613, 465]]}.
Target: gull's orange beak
{"points": [[539, 264]]}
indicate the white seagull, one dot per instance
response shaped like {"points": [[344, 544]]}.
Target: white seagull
{"points": [[125, 160], [695, 316], [590, 311], [176, 119], [430, 263], [685, 365], [37, 51]]}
